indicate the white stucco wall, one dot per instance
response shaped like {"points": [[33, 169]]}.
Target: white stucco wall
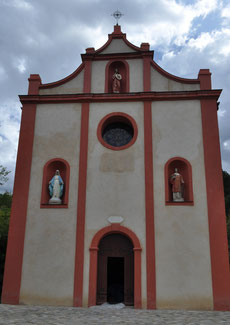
{"points": [[98, 76], [117, 46], [161, 83], [74, 86], [49, 251], [183, 269], [115, 184], [136, 75], [135, 71]]}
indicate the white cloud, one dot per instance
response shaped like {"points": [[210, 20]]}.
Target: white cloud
{"points": [[21, 4], [204, 7], [225, 13], [21, 65]]}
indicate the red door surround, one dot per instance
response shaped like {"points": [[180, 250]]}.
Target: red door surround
{"points": [[114, 229]]}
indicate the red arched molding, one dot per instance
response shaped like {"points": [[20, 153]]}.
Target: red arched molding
{"points": [[64, 80], [117, 117], [48, 172], [113, 229], [185, 170], [123, 68], [173, 77]]}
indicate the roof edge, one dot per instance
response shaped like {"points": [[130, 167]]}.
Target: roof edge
{"points": [[173, 77]]}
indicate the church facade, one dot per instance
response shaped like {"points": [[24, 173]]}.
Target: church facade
{"points": [[118, 192]]}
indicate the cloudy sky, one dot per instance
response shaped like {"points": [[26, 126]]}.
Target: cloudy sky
{"points": [[48, 36]]}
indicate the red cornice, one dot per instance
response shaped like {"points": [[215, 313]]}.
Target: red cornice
{"points": [[138, 96], [172, 77], [110, 56]]}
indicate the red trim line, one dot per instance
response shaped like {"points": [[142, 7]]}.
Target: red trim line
{"points": [[114, 117], [216, 206], [81, 202], [118, 34], [149, 208], [115, 228], [172, 77], [64, 80], [141, 96], [117, 56], [15, 246]]}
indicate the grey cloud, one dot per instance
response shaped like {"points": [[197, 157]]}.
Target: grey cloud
{"points": [[50, 35]]}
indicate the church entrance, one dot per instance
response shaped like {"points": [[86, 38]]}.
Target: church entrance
{"points": [[115, 274]]}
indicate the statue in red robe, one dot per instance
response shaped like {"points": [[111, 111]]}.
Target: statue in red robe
{"points": [[117, 82], [177, 182]]}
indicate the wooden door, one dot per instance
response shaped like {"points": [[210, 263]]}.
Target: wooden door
{"points": [[119, 283]]}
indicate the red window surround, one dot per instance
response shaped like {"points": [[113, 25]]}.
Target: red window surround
{"points": [[117, 117]]}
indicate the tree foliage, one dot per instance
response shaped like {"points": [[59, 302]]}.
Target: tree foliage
{"points": [[3, 175], [5, 206]]}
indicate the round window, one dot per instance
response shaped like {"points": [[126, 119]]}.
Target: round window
{"points": [[117, 134], [117, 131]]}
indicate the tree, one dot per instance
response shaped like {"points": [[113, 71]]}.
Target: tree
{"points": [[3, 175], [5, 206]]}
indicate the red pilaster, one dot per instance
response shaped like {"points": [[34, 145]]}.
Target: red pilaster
{"points": [[34, 83], [216, 206], [93, 277], [149, 208], [205, 79], [15, 246], [87, 76], [81, 202], [146, 73]]}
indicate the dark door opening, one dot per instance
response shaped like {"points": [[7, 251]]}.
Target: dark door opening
{"points": [[115, 280], [115, 270]]}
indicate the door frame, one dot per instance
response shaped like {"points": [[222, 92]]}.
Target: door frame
{"points": [[114, 229]]}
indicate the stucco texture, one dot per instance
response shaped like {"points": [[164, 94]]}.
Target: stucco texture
{"points": [[73, 86], [162, 83], [115, 183], [183, 267], [117, 46], [49, 251]]}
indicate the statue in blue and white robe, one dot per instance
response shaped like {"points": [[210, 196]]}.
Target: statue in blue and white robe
{"points": [[56, 187]]}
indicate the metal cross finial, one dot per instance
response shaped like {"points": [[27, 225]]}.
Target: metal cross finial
{"points": [[117, 15]]}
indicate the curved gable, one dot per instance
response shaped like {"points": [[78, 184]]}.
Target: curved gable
{"points": [[161, 80]]}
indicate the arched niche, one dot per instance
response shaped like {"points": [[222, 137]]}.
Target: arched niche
{"points": [[123, 69], [48, 172], [185, 169]]}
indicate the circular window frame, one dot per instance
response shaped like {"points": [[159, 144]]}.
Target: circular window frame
{"points": [[112, 118]]}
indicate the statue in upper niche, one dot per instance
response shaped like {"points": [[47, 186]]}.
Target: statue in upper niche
{"points": [[117, 82], [177, 182], [56, 186]]}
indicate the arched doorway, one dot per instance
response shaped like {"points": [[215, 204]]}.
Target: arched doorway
{"points": [[94, 248], [115, 273]]}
